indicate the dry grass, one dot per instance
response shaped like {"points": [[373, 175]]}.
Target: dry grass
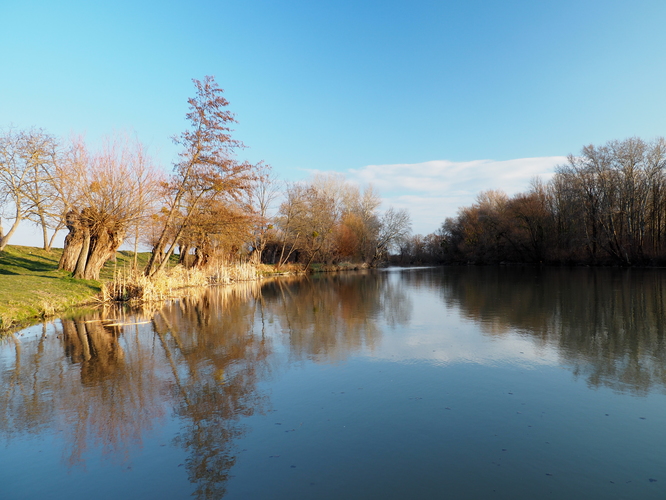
{"points": [[342, 266]]}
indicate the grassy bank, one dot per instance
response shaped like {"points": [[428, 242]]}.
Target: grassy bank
{"points": [[31, 286]]}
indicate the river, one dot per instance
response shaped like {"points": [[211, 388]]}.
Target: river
{"points": [[465, 383]]}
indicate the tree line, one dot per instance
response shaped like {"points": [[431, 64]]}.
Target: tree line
{"points": [[211, 207], [605, 206]]}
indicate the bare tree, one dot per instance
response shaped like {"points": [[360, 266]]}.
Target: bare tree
{"points": [[307, 219], [395, 226], [288, 220], [27, 159], [262, 196], [115, 190], [41, 189]]}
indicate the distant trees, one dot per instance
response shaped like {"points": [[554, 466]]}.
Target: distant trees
{"points": [[606, 205]]}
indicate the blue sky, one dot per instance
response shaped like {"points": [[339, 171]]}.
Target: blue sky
{"points": [[431, 101]]}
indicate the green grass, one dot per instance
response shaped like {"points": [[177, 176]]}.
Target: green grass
{"points": [[32, 287], [125, 261]]}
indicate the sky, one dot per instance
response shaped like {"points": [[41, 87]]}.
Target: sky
{"points": [[430, 101]]}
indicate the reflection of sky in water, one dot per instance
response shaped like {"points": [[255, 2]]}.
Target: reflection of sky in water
{"points": [[437, 333]]}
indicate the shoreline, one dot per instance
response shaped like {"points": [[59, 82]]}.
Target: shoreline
{"points": [[32, 289]]}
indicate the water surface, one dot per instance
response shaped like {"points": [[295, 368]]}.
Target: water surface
{"points": [[403, 383]]}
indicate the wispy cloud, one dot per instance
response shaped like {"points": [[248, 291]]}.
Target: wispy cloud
{"points": [[434, 190]]}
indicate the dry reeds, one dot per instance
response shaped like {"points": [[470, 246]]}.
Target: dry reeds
{"points": [[132, 285], [220, 272]]}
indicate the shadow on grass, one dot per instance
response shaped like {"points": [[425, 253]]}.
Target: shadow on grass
{"points": [[29, 264]]}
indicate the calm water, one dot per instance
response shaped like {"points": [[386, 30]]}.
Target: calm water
{"points": [[423, 383]]}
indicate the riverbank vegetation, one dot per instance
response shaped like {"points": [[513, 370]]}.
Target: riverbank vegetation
{"points": [[605, 206], [32, 287]]}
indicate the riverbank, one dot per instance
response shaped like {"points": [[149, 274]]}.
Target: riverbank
{"points": [[32, 287]]}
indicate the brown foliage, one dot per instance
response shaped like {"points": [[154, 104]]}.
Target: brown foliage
{"points": [[207, 171], [328, 219]]}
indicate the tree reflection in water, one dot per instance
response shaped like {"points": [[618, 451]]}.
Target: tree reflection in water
{"points": [[607, 324], [101, 395], [327, 317], [217, 357], [106, 380]]}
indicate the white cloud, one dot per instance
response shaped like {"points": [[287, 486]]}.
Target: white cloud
{"points": [[434, 190]]}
